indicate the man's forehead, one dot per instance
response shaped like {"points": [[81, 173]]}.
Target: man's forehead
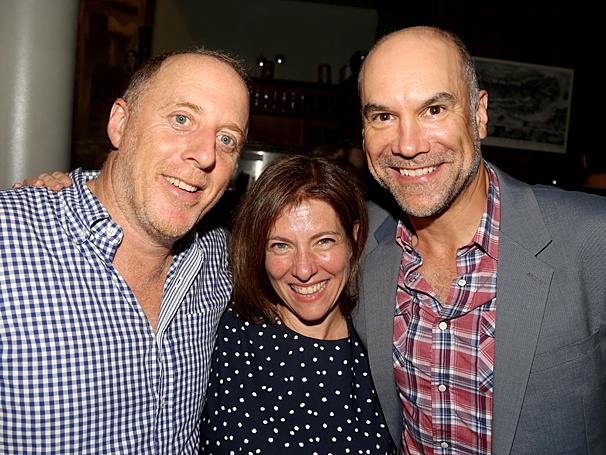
{"points": [[188, 73], [412, 58], [411, 49]]}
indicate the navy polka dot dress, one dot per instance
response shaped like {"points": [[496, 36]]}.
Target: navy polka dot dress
{"points": [[273, 391]]}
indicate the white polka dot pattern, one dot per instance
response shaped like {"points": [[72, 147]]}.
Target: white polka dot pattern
{"points": [[274, 391]]}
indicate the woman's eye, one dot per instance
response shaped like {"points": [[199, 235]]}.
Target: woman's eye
{"points": [[326, 241], [277, 247], [181, 119]]}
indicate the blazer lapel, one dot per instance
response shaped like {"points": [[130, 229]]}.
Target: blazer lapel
{"points": [[379, 284], [522, 289]]}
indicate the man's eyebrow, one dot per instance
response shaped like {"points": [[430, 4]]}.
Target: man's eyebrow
{"points": [[236, 128], [441, 97], [372, 107], [193, 107], [179, 104]]}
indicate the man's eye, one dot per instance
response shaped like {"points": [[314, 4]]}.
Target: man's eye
{"points": [[181, 119], [434, 110], [226, 140], [383, 117]]}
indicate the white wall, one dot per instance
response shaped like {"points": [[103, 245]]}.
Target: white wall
{"points": [[38, 58], [307, 33]]}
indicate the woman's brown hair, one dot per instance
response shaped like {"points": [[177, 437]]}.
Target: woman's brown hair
{"points": [[285, 183]]}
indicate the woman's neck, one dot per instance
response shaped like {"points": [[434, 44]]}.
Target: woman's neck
{"points": [[332, 327]]}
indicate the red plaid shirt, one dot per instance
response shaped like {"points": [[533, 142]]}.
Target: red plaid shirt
{"points": [[444, 351]]}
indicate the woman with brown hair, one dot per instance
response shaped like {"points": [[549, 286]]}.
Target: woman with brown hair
{"points": [[289, 372]]}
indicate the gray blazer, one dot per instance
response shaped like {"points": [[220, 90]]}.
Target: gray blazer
{"points": [[549, 390]]}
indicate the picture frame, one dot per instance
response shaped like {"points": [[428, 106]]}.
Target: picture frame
{"points": [[528, 105]]}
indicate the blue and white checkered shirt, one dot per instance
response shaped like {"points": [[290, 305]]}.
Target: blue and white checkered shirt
{"points": [[81, 369]]}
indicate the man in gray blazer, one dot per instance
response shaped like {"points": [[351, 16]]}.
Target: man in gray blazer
{"points": [[483, 302]]}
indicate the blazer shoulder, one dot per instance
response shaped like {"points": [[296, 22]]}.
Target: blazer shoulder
{"points": [[571, 204], [375, 211], [541, 213], [381, 219], [552, 201]]}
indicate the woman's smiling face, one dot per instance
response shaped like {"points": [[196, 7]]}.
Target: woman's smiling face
{"points": [[307, 258]]}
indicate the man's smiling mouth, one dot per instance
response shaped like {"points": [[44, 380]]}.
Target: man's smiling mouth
{"points": [[182, 185], [417, 172]]}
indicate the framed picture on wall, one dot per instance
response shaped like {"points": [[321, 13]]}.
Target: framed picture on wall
{"points": [[528, 105]]}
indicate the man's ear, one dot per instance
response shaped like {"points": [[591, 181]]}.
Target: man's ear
{"points": [[117, 120], [482, 114]]}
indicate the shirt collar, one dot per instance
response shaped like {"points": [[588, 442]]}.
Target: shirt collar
{"points": [[80, 207]]}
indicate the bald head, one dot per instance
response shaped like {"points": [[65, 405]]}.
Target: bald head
{"points": [[423, 43]]}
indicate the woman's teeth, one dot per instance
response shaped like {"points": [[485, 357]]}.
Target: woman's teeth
{"points": [[308, 290]]}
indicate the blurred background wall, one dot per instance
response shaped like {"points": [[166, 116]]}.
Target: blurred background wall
{"points": [[315, 38]]}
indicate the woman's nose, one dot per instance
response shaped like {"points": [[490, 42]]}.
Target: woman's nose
{"points": [[304, 265]]}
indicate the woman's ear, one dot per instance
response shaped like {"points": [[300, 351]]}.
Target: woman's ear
{"points": [[356, 228], [117, 120]]}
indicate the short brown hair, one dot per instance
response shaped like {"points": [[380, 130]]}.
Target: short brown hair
{"points": [[286, 182]]}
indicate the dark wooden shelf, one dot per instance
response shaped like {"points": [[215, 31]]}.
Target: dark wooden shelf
{"points": [[292, 115]]}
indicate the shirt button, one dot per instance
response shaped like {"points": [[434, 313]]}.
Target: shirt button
{"points": [[442, 388], [111, 231], [442, 325], [444, 445], [408, 248], [461, 282]]}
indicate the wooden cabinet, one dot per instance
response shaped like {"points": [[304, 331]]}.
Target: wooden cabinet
{"points": [[293, 116]]}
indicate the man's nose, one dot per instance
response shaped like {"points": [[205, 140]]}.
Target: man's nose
{"points": [[411, 139], [202, 149]]}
